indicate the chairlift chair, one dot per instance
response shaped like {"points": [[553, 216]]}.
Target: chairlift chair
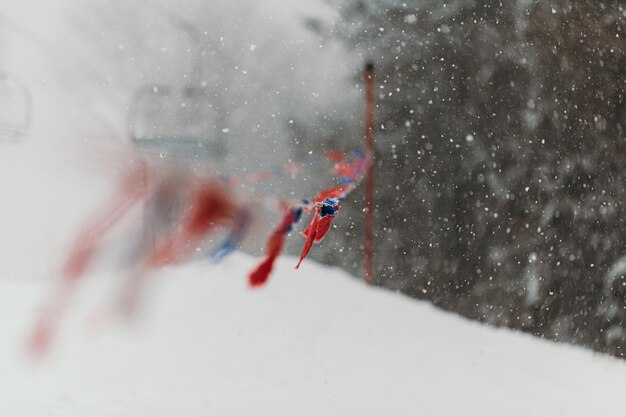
{"points": [[15, 108], [178, 121], [175, 122]]}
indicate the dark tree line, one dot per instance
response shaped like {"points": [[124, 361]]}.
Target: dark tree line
{"points": [[501, 160]]}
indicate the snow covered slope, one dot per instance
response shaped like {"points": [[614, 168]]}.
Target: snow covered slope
{"points": [[313, 343]]}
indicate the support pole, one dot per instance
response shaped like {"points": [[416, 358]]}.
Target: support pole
{"points": [[369, 178]]}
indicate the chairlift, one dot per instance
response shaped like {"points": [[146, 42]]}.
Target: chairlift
{"points": [[15, 108], [175, 122], [180, 121]]}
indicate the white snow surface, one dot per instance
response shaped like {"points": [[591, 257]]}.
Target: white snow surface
{"points": [[312, 343]]}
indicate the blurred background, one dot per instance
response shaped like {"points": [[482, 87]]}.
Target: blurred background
{"points": [[500, 143]]}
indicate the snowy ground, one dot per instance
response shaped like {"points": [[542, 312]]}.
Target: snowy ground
{"points": [[313, 343]]}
